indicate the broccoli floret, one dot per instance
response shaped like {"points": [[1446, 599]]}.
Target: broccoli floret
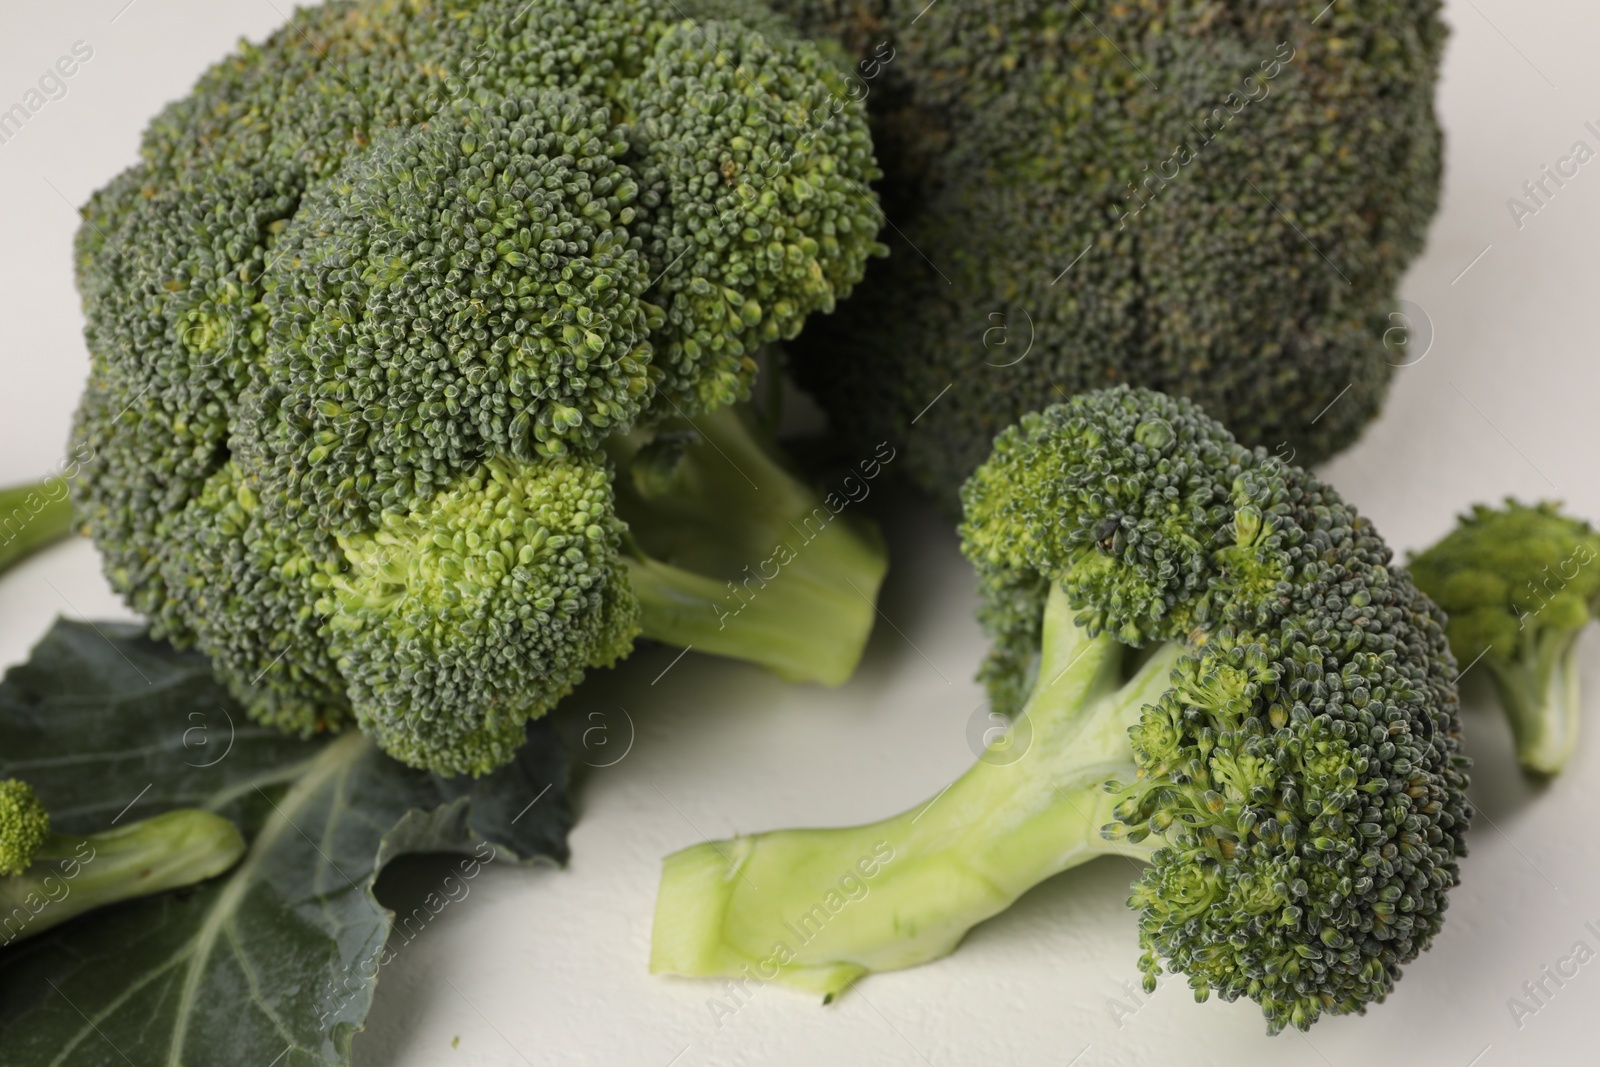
{"points": [[47, 878], [384, 291], [1235, 189], [1518, 585], [459, 621], [1227, 680]]}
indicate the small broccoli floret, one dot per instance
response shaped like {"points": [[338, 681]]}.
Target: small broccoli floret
{"points": [[1228, 680], [1519, 585], [47, 878], [1215, 199], [445, 629], [24, 826], [402, 270]]}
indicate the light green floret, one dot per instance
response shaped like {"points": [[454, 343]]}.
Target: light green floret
{"points": [[1520, 584], [24, 825], [457, 623], [442, 632], [1226, 679], [47, 878]]}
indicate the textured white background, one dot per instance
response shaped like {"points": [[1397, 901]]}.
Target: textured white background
{"points": [[548, 966]]}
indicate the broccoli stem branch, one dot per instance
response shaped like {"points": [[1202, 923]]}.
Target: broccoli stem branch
{"points": [[30, 519], [816, 909], [71, 874], [1541, 697], [732, 554]]}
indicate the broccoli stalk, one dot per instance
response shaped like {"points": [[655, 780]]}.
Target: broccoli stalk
{"points": [[1033, 806], [47, 878], [1539, 690], [31, 517], [730, 553], [1519, 584]]}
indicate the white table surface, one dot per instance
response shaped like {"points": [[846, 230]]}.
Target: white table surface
{"points": [[548, 966]]}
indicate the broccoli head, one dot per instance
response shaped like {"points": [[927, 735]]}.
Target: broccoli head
{"points": [[1219, 673], [1211, 199], [47, 878], [1518, 586], [380, 291]]}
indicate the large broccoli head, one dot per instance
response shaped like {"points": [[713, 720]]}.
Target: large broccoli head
{"points": [[1213, 667], [1519, 585], [378, 289], [1211, 199]]}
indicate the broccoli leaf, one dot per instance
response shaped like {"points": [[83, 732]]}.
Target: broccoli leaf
{"points": [[279, 955]]}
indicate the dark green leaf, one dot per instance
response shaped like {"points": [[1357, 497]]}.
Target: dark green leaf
{"points": [[276, 957]]}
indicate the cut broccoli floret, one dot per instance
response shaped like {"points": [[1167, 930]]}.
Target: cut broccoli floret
{"points": [[1519, 585], [366, 316], [47, 878], [1214, 199], [1227, 679]]}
